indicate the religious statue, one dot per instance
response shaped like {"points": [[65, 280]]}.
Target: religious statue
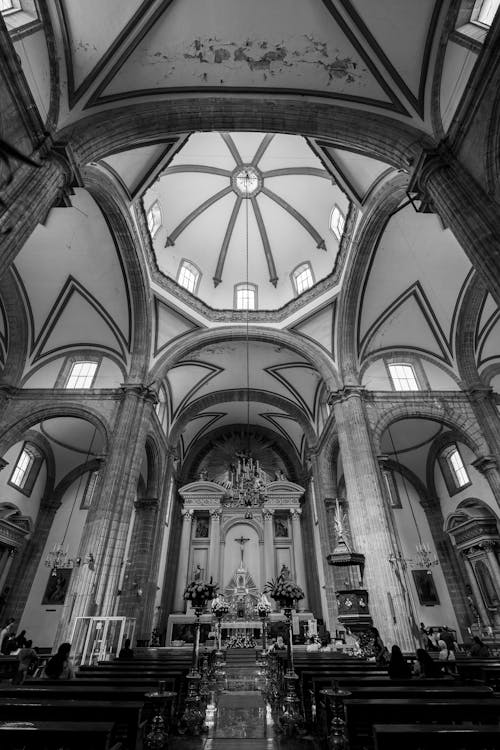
{"points": [[198, 573], [285, 574], [280, 527], [201, 528]]}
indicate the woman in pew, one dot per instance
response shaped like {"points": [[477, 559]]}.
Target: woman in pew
{"points": [[479, 649], [398, 668], [59, 667], [424, 666], [27, 657], [126, 652]]}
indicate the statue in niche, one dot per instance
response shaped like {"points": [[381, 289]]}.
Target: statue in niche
{"points": [[203, 475], [285, 573], [201, 528], [280, 527], [198, 573]]}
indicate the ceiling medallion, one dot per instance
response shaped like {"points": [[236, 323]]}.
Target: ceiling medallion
{"points": [[246, 181]]}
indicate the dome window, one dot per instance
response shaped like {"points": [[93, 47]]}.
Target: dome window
{"points": [[337, 222], [245, 297], [302, 278], [189, 276], [81, 375], [154, 218]]}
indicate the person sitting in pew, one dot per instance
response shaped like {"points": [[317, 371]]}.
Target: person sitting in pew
{"points": [[398, 668], [424, 666], [479, 649], [59, 666], [126, 652], [27, 657]]}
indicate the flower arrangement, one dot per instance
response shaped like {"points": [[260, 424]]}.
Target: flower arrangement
{"points": [[284, 591], [200, 592], [220, 607]]}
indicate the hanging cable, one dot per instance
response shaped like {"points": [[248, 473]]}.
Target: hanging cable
{"points": [[247, 338]]}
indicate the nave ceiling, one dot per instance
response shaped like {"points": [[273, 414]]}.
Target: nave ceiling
{"points": [[77, 289]]}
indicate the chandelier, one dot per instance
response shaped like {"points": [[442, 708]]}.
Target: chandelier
{"points": [[58, 556]]}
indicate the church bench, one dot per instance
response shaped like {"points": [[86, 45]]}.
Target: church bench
{"points": [[54, 734], [127, 715], [435, 737], [8, 667], [117, 684], [71, 689], [362, 714], [425, 689]]}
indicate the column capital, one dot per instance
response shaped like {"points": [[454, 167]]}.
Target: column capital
{"points": [[478, 392], [343, 394], [268, 514], [384, 461], [188, 514], [146, 503], [295, 513], [430, 159], [215, 513], [484, 464], [140, 390]]}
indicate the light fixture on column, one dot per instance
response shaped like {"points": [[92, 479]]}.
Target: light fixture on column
{"points": [[423, 551], [58, 556]]}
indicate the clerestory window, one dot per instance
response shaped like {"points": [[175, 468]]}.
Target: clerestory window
{"points": [[453, 468], [403, 376], [154, 218], [485, 11], [26, 470], [81, 375], [337, 222]]}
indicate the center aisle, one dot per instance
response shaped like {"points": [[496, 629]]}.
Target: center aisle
{"points": [[243, 721]]}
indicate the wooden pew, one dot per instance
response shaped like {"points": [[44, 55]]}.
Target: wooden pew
{"points": [[71, 689], [53, 734], [127, 715], [435, 737], [363, 714]]}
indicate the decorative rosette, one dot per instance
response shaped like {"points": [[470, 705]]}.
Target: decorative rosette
{"points": [[200, 592], [284, 591], [220, 607]]}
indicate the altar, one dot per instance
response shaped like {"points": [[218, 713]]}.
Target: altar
{"points": [[241, 529]]}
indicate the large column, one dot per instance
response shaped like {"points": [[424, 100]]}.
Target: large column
{"points": [[269, 545], [182, 565], [298, 554], [137, 599], [488, 466], [464, 206], [369, 527], [214, 549], [94, 591]]}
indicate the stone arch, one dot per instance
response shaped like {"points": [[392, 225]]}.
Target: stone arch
{"points": [[368, 236], [16, 427], [314, 354], [414, 354], [378, 135], [461, 421], [117, 216], [254, 394], [74, 474], [470, 311], [17, 328], [155, 466]]}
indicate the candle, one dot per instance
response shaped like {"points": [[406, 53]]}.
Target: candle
{"points": [[469, 631]]}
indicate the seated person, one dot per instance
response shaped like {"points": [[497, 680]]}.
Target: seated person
{"points": [[398, 668], [27, 658], [313, 644], [126, 652], [59, 666], [424, 666], [280, 645], [479, 649]]}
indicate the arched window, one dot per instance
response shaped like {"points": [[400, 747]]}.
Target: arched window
{"points": [[453, 468], [154, 218], [337, 222], [189, 276], [485, 11], [81, 374], [302, 278], [245, 296]]}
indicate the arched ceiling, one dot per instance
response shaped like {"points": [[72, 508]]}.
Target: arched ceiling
{"points": [[229, 198], [373, 56]]}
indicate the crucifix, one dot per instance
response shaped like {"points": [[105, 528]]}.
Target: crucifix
{"points": [[242, 541]]}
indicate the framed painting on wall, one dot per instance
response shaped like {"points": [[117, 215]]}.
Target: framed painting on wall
{"points": [[426, 588], [57, 586]]}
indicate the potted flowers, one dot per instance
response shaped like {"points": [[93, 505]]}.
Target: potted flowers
{"points": [[220, 607], [199, 593], [284, 591]]}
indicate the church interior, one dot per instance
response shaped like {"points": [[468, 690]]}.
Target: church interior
{"points": [[250, 337]]}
